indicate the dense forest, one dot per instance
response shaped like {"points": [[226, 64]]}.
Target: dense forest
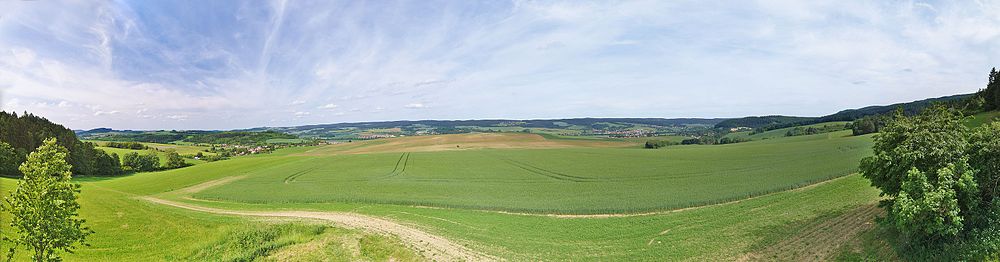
{"points": [[22, 134], [764, 121], [198, 137]]}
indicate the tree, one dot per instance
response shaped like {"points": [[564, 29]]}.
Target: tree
{"points": [[174, 160], [43, 207], [134, 162], [9, 160], [940, 183], [984, 154], [106, 164], [992, 92]]}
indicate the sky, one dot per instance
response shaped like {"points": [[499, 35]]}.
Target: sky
{"points": [[243, 64]]}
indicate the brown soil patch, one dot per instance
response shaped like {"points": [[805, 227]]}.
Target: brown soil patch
{"points": [[457, 142]]}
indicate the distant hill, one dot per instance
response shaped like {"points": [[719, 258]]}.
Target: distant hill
{"points": [[778, 121], [909, 108], [547, 123], [764, 121], [355, 130]]}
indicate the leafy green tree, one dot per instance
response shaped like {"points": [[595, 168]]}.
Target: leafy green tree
{"points": [[174, 160], [928, 142], [9, 160], [106, 164], [941, 183], [934, 210], [984, 154], [134, 162], [43, 207]]}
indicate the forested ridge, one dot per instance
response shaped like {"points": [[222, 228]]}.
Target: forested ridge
{"points": [[23, 133]]}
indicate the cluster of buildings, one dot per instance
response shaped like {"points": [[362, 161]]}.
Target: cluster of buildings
{"points": [[376, 136], [624, 133]]}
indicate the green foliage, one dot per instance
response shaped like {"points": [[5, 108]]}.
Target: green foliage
{"points": [[934, 210], [126, 145], [984, 154], [26, 132], [869, 124], [927, 142], [766, 122], [174, 160], [43, 207], [654, 144], [941, 183], [991, 94], [134, 162], [9, 160]]}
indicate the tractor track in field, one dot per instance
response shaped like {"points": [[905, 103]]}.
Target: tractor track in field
{"points": [[433, 247], [396, 171], [291, 178]]}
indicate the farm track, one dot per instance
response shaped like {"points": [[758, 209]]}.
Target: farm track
{"points": [[817, 242], [433, 247]]}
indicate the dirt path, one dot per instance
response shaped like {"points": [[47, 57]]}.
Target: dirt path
{"points": [[214, 183], [431, 246], [817, 242]]}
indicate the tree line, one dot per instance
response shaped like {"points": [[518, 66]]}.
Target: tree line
{"points": [[20, 134]]}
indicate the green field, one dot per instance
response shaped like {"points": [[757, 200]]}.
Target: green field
{"points": [[476, 197], [573, 181]]}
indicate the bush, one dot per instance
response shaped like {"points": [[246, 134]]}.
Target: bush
{"points": [[654, 144], [134, 162], [940, 183]]}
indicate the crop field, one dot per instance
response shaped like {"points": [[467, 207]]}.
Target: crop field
{"points": [[511, 196], [566, 180]]}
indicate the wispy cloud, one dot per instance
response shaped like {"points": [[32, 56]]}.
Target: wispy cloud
{"points": [[226, 65]]}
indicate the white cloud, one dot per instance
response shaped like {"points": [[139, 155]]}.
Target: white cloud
{"points": [[415, 106], [302, 114], [101, 113], [178, 117], [469, 59]]}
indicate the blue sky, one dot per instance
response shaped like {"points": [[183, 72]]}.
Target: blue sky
{"points": [[240, 64]]}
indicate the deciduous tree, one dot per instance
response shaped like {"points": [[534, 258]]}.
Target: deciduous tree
{"points": [[43, 207]]}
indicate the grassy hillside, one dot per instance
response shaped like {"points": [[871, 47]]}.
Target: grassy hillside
{"points": [[983, 118]]}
